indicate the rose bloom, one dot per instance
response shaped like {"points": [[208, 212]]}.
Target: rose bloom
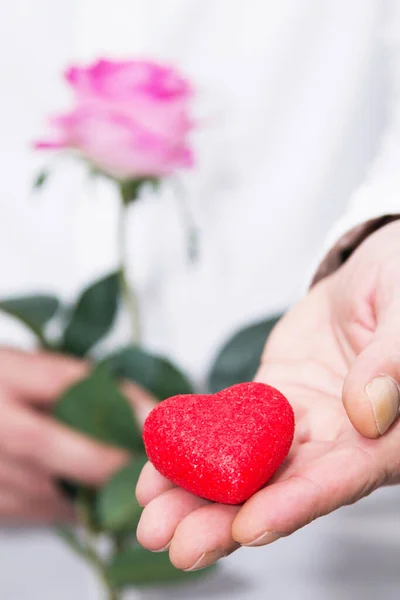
{"points": [[130, 119]]}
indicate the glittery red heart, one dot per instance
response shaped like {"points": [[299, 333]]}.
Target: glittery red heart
{"points": [[223, 447]]}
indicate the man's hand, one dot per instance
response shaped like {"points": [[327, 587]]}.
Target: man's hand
{"points": [[35, 450], [342, 342]]}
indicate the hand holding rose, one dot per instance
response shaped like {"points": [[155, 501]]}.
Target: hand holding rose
{"points": [[35, 449]]}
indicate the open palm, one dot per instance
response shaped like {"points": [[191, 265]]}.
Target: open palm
{"points": [[327, 349]]}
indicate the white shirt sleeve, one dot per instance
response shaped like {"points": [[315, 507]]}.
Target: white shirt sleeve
{"points": [[379, 195]]}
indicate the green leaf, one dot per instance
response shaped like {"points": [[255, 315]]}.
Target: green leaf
{"points": [[155, 373], [96, 408], [117, 507], [130, 188], [34, 311], [239, 358], [92, 316], [41, 179], [137, 566]]}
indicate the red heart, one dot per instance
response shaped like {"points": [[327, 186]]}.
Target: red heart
{"points": [[223, 447]]}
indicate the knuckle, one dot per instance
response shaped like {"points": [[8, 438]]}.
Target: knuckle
{"points": [[314, 493], [373, 474], [24, 441]]}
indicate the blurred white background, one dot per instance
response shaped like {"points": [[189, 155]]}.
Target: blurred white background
{"points": [[293, 100]]}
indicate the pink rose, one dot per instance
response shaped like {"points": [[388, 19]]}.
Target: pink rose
{"points": [[130, 119]]}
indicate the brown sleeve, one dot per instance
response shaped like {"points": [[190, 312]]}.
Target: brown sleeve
{"points": [[346, 245]]}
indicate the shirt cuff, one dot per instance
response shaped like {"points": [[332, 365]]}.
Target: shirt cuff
{"points": [[347, 243]]}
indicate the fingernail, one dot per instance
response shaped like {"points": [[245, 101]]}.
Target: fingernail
{"points": [[385, 398], [206, 559], [266, 538], [163, 549]]}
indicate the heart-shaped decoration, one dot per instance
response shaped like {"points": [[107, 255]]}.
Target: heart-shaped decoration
{"points": [[224, 446]]}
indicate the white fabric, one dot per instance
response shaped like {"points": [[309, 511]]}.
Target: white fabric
{"points": [[379, 194], [294, 99]]}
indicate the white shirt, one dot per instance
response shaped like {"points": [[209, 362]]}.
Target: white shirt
{"points": [[294, 98]]}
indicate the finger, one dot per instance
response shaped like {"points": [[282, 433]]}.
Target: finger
{"points": [[17, 509], [341, 477], [29, 437], [41, 377], [25, 479], [151, 484], [38, 377], [141, 400], [203, 537], [45, 494], [371, 390], [162, 516]]}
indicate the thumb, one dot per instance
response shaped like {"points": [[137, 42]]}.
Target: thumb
{"points": [[371, 394]]}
